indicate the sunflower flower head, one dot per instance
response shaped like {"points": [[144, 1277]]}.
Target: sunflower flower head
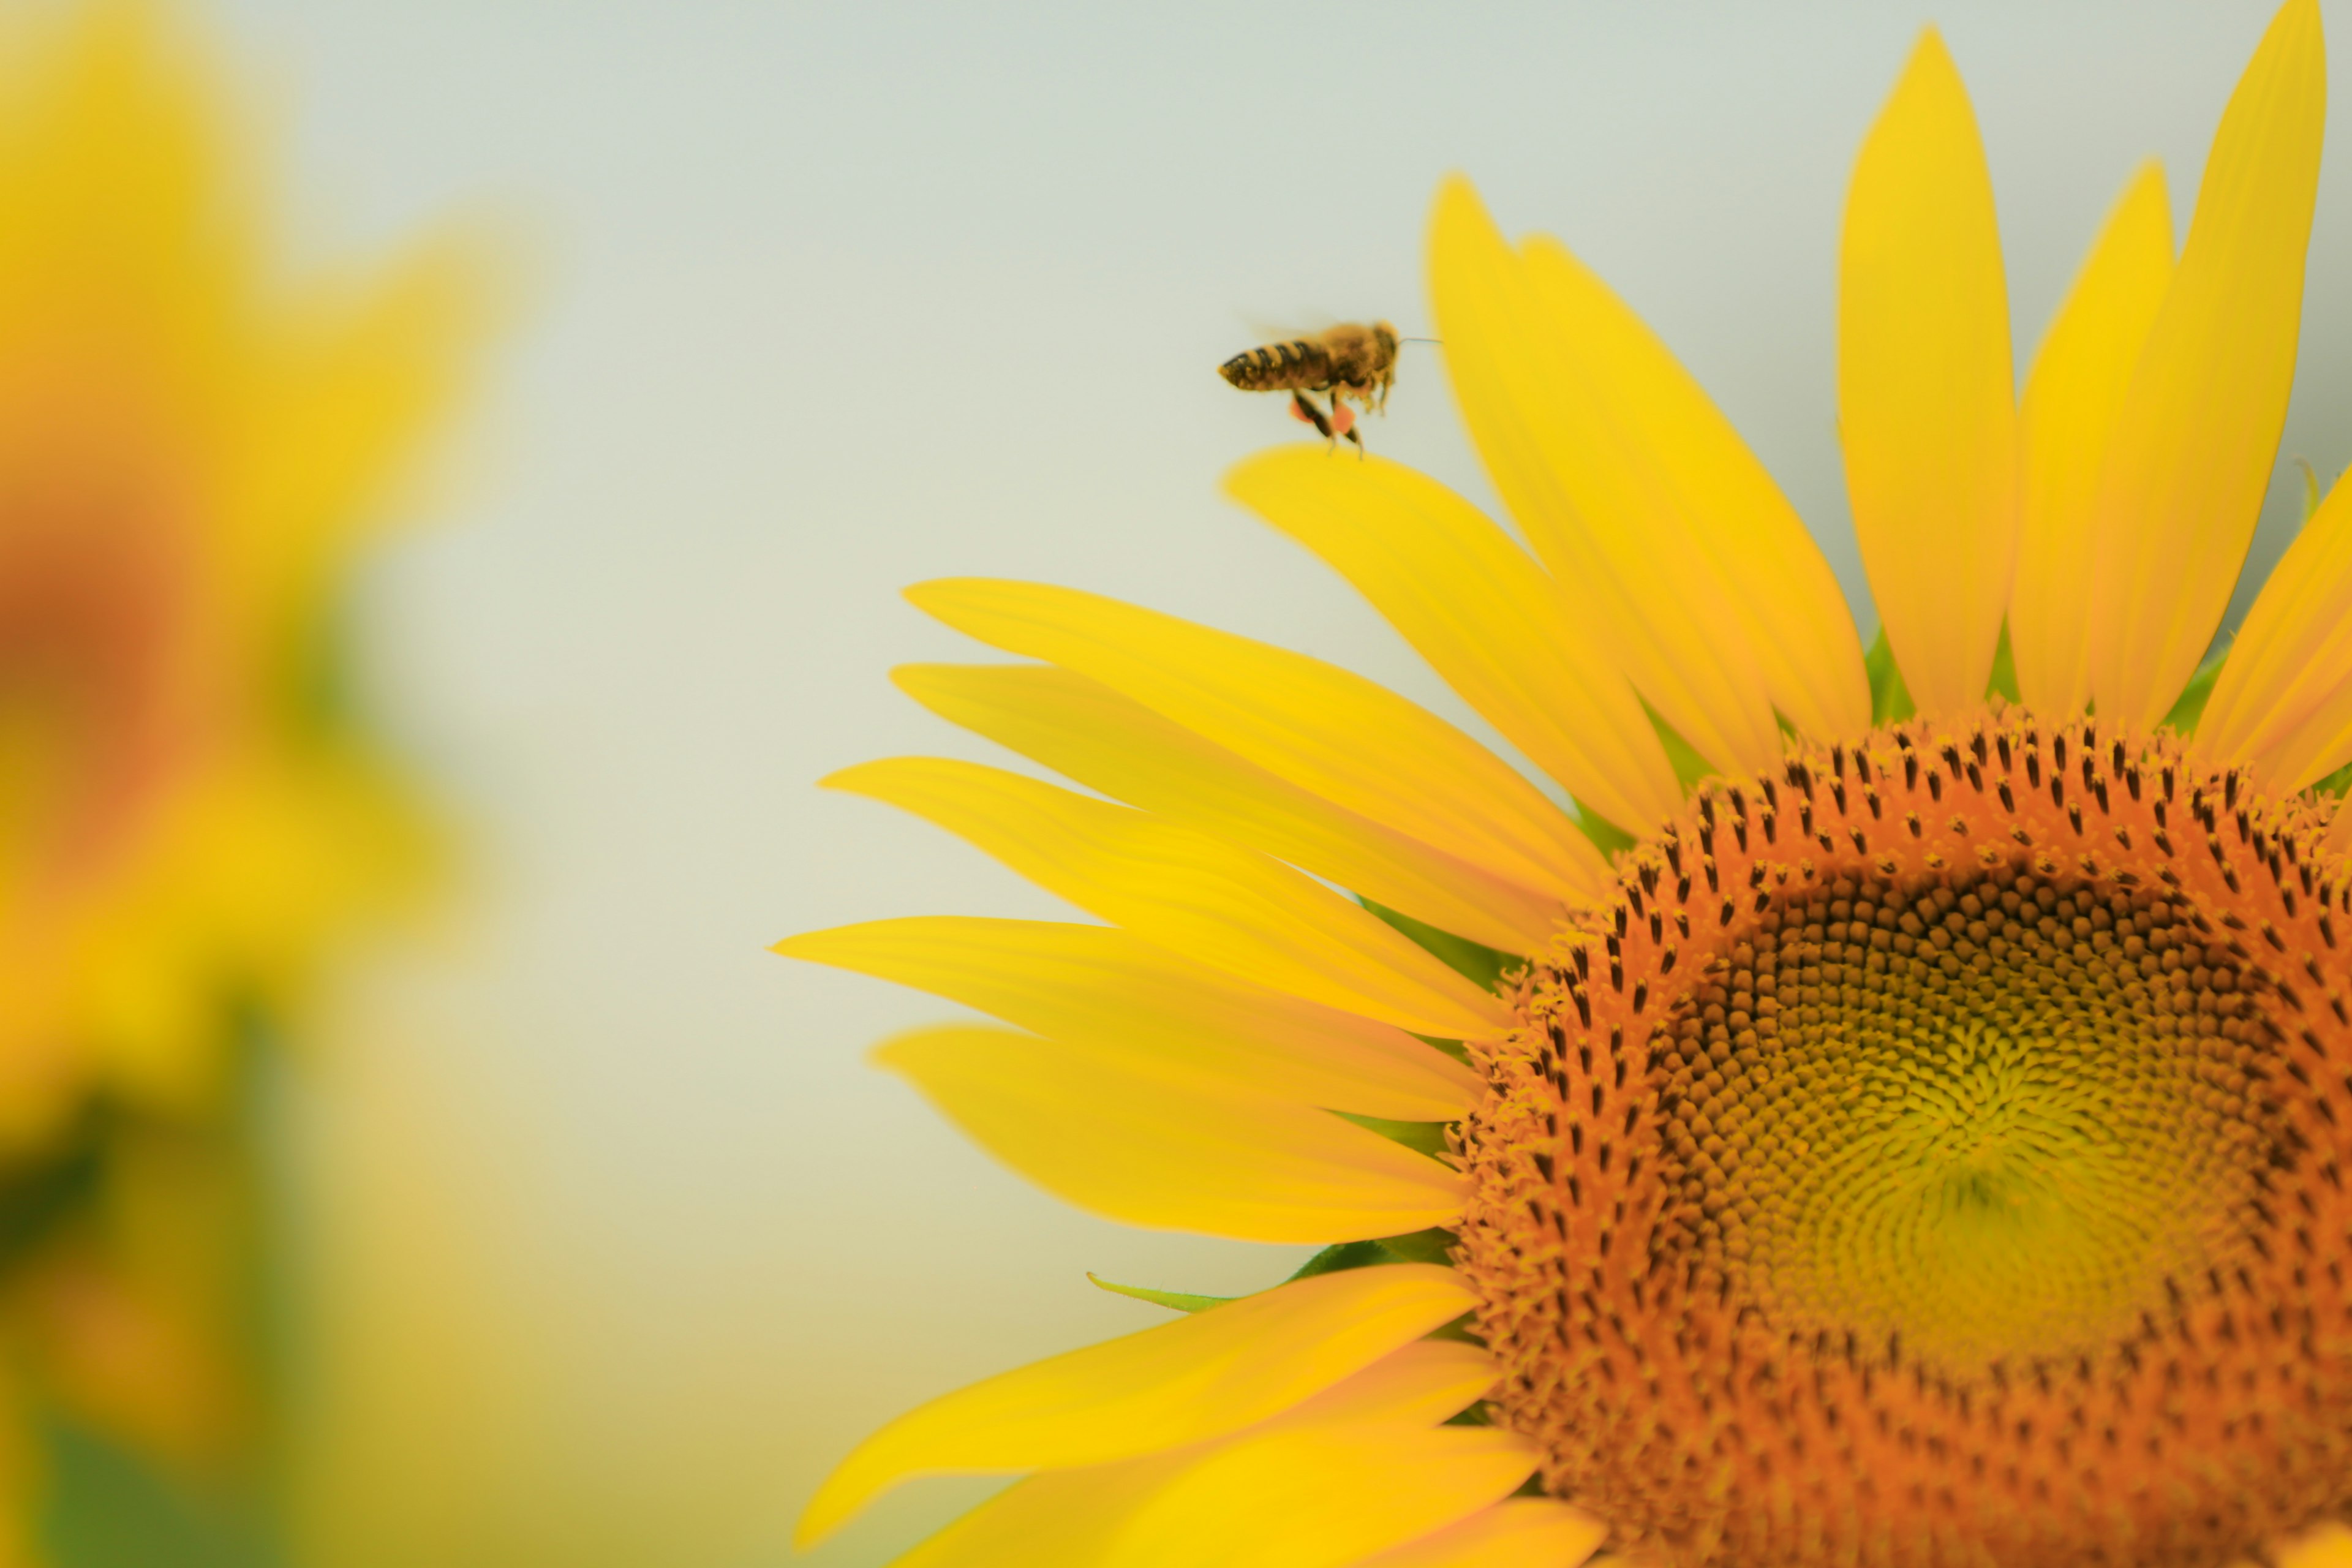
{"points": [[1898, 1117], [193, 447], [191, 450]]}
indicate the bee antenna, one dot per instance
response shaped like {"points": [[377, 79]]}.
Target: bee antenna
{"points": [[1421, 340]]}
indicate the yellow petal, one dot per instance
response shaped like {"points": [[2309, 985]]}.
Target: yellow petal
{"points": [[1105, 989], [363, 379], [1084, 730], [1486, 618], [1061, 1518], [1321, 1497], [1925, 405], [2072, 396], [1072, 1517], [2338, 839], [1189, 891], [1318, 726], [1200, 1377], [1742, 533], [1426, 1382], [1136, 1146], [2327, 1545], [2284, 700], [1595, 505], [1520, 1532], [2192, 450]]}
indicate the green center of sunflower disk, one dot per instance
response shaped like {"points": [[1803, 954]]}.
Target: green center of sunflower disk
{"points": [[1962, 1123]]}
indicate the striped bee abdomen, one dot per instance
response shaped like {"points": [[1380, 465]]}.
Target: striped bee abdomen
{"points": [[1278, 367]]}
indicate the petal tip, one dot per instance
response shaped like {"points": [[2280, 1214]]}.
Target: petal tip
{"points": [[931, 592], [1455, 189], [1928, 72], [1930, 57], [850, 780], [914, 680], [1459, 213], [832, 1506]]}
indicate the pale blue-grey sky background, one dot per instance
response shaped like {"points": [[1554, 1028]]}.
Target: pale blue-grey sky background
{"points": [[832, 299]]}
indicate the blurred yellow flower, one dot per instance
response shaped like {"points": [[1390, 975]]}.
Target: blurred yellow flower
{"points": [[1897, 1120], [194, 448]]}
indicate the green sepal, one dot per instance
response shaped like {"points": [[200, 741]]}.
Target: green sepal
{"points": [[1455, 1048], [1607, 836], [1421, 1137], [2002, 683], [2336, 783], [1474, 962], [1889, 698], [1434, 1245], [1688, 765], [1174, 1300], [1430, 1246], [1459, 1328], [2191, 708], [1481, 966], [1340, 1257]]}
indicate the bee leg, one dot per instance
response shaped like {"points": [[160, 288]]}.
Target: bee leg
{"points": [[1343, 420], [1304, 406]]}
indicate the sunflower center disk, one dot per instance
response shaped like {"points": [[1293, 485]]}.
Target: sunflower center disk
{"points": [[1986, 1119], [1935, 1158]]}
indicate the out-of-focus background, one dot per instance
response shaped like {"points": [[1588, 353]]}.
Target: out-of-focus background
{"points": [[617, 1243]]}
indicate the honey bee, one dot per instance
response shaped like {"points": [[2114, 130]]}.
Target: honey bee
{"points": [[1349, 361]]}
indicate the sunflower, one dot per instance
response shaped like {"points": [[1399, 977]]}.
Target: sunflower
{"points": [[193, 450], [1898, 1115]]}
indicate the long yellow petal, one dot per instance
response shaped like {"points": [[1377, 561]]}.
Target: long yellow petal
{"points": [[2326, 1544], [1105, 989], [1321, 727], [1603, 518], [1060, 1519], [363, 379], [2283, 700], [1519, 1532], [1189, 891], [1202, 1376], [2073, 395], [1084, 730], [1486, 617], [1136, 1146], [1421, 1385], [1926, 405], [2339, 838], [1761, 562], [1321, 1497], [2191, 455], [1069, 1519]]}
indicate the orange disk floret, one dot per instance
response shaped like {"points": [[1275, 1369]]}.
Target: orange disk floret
{"points": [[1935, 1156]]}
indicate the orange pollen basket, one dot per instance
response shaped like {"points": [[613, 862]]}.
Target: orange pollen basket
{"points": [[1934, 1156]]}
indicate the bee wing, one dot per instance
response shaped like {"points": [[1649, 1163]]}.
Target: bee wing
{"points": [[1283, 329]]}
